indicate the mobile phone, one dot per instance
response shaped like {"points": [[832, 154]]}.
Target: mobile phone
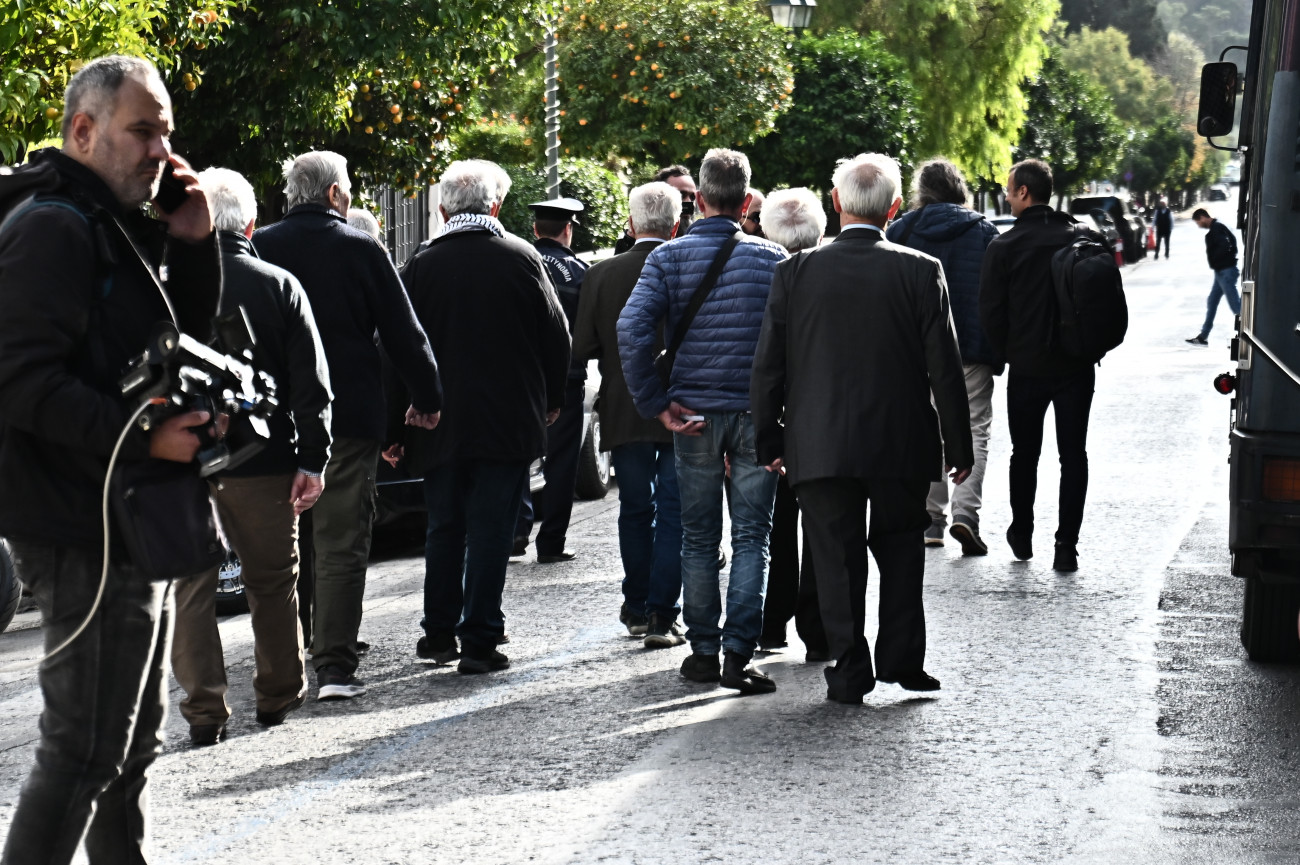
{"points": [[693, 418], [171, 192]]}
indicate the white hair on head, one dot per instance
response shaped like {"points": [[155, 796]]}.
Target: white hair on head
{"points": [[655, 208], [363, 220], [868, 185], [793, 218], [230, 197], [473, 186], [308, 178]]}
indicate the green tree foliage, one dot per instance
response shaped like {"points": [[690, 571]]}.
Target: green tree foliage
{"points": [[1161, 157], [850, 96], [967, 60], [44, 42], [1137, 19], [598, 188], [1071, 125], [381, 81], [666, 80], [1211, 24], [1141, 97]]}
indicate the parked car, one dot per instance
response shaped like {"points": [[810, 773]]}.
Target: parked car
{"points": [[1002, 223], [1219, 192], [1131, 228]]}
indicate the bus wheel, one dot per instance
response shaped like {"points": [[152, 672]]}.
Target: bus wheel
{"points": [[1269, 621]]}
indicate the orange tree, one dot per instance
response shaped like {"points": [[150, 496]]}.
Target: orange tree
{"points": [[43, 42], [382, 82], [665, 81]]}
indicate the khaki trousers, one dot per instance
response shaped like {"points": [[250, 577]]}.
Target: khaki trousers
{"points": [[258, 520]]}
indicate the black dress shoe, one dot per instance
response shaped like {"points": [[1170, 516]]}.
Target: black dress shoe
{"points": [[276, 718], [914, 682], [817, 656], [1066, 558], [736, 673], [552, 558], [207, 734], [520, 547], [840, 691], [1022, 546]]}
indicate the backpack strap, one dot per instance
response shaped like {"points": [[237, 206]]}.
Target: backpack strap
{"points": [[103, 251]]}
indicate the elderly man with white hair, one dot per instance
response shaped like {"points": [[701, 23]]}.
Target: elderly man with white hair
{"points": [[259, 500], [650, 514], [857, 340], [355, 292], [493, 317]]}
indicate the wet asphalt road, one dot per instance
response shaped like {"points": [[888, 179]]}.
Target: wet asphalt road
{"points": [[1104, 716]]}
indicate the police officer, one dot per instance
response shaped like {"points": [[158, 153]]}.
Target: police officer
{"points": [[553, 223]]}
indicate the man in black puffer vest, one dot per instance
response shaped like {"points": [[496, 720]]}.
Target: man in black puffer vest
{"points": [[1019, 312]]}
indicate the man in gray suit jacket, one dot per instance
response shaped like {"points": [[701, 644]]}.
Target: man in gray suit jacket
{"points": [[857, 338]]}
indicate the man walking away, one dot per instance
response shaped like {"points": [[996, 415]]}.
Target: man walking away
{"points": [[553, 223], [354, 293], [649, 515], [1221, 252], [260, 500], [942, 225], [1164, 220], [857, 352], [706, 405], [485, 300], [1019, 312]]}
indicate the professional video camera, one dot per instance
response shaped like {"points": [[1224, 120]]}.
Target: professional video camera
{"points": [[177, 373]]}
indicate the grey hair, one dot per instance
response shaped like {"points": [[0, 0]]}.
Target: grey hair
{"points": [[231, 198], [938, 181], [308, 178], [363, 220], [655, 208], [868, 184], [473, 186], [794, 218], [724, 177], [755, 195], [93, 90]]}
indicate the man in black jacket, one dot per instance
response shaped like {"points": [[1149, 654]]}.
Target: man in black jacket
{"points": [[261, 499], [354, 293], [1164, 220], [80, 271], [485, 300], [1018, 311], [856, 354], [1221, 252]]}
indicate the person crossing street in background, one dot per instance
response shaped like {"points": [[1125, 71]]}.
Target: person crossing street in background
{"points": [[1221, 252]]}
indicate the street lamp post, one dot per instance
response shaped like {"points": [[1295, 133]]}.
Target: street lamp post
{"points": [[552, 117], [792, 14]]}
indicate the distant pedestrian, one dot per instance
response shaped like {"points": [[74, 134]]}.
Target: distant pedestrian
{"points": [[753, 213], [553, 223], [1164, 221], [649, 516], [1019, 312], [484, 298], [941, 224], [705, 403], [1221, 252], [260, 500], [795, 219], [857, 352], [354, 293]]}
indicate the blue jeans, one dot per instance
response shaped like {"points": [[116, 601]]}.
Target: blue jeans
{"points": [[473, 505], [105, 704], [649, 527], [1225, 285], [700, 472]]}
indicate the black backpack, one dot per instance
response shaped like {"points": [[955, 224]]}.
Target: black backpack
{"points": [[1093, 315]]}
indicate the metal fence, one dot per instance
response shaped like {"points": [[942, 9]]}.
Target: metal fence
{"points": [[405, 221]]}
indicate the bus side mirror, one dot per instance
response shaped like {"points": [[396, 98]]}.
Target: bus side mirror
{"points": [[1218, 99]]}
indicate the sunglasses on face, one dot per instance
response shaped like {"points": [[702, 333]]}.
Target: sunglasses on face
{"points": [[753, 217]]}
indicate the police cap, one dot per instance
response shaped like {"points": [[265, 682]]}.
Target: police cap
{"points": [[558, 209]]}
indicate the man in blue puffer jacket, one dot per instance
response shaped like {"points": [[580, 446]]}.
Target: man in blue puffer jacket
{"points": [[706, 406], [941, 225]]}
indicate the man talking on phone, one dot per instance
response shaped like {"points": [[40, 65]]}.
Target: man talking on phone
{"points": [[82, 283]]}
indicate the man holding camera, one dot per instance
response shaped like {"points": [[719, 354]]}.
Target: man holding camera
{"points": [[82, 283]]}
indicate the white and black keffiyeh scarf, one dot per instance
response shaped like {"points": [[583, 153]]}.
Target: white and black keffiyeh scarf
{"points": [[473, 222]]}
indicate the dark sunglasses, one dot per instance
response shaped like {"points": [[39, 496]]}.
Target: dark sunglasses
{"points": [[753, 217]]}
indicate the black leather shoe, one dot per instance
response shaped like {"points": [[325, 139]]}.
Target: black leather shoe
{"points": [[276, 718], [1066, 558], [701, 668], [440, 651], [817, 656], [552, 558], [840, 691], [202, 735], [520, 547], [914, 682], [736, 673], [1022, 546]]}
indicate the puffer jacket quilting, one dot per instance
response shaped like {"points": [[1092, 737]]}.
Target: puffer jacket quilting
{"points": [[958, 237], [713, 365]]}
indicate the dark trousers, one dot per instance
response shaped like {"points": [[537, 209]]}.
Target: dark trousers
{"points": [[554, 505], [835, 523], [649, 527], [791, 584], [472, 505], [1027, 400], [105, 704], [1162, 237]]}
